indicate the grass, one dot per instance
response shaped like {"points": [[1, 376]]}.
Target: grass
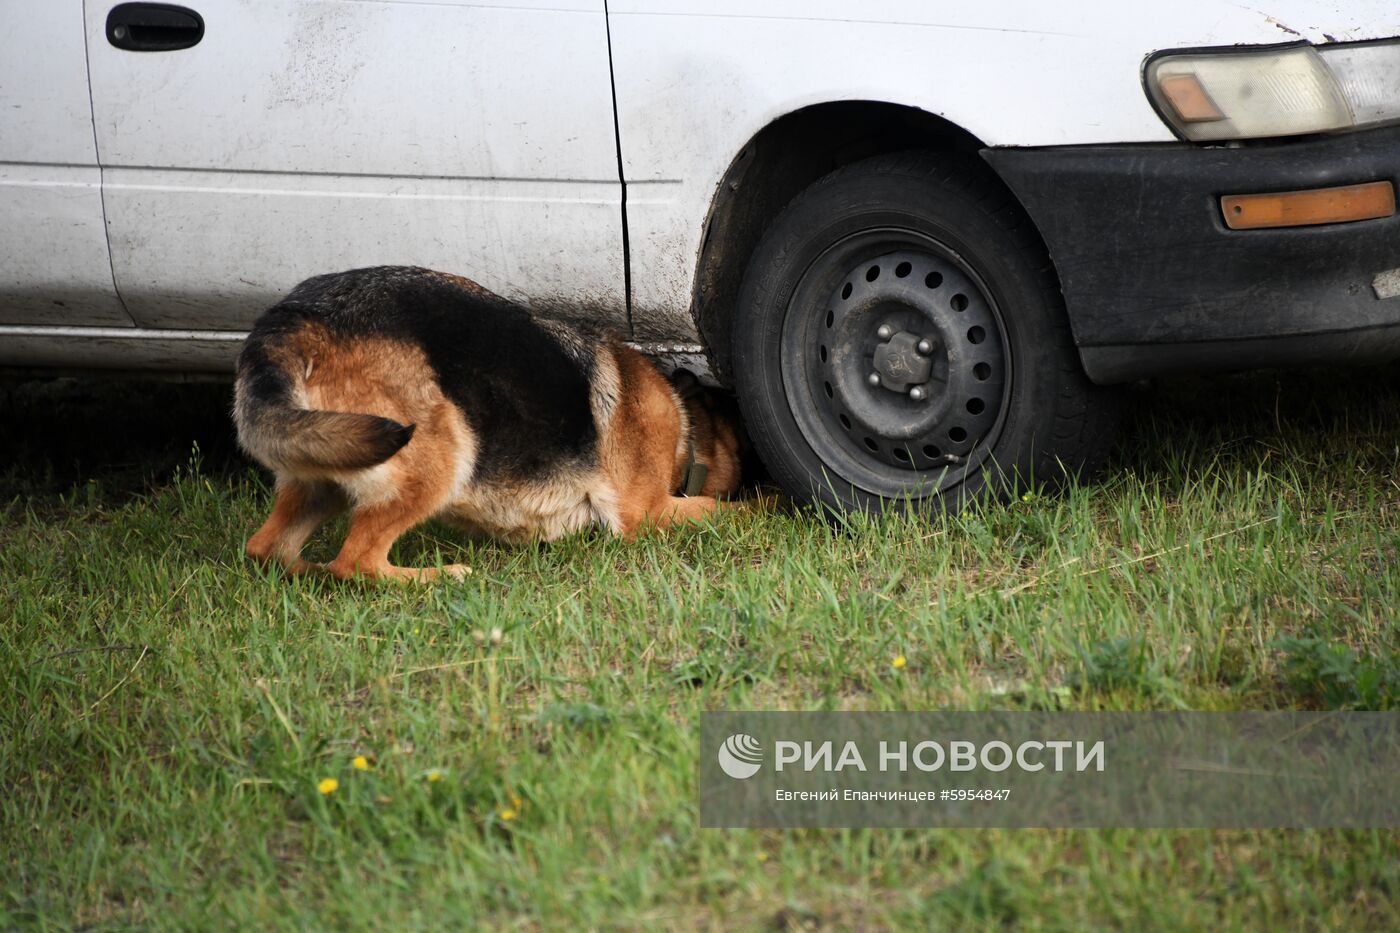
{"points": [[169, 710]]}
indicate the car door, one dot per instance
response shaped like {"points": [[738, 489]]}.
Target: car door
{"points": [[54, 267], [297, 137]]}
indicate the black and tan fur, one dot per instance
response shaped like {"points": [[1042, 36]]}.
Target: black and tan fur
{"points": [[404, 394]]}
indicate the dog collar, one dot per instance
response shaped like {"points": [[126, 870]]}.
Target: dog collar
{"points": [[693, 478]]}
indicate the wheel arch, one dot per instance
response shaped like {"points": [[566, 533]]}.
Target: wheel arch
{"points": [[774, 166]]}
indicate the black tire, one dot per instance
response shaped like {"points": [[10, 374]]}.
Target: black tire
{"points": [[828, 358]]}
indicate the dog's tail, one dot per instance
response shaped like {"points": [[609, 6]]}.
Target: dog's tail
{"points": [[280, 435]]}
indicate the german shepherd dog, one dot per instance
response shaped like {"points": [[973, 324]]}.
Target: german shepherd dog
{"points": [[405, 394]]}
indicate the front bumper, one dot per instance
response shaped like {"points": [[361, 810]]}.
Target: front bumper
{"points": [[1155, 282]]}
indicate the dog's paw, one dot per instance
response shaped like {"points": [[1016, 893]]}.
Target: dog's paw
{"points": [[456, 571]]}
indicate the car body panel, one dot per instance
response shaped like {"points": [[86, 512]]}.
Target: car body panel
{"points": [[305, 135], [54, 265], [698, 79]]}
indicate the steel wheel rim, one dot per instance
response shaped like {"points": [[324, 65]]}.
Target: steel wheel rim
{"points": [[883, 438]]}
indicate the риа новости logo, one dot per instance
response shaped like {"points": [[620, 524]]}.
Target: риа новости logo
{"points": [[741, 756]]}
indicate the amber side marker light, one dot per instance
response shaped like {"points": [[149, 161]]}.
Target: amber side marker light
{"points": [[1304, 208], [1189, 99]]}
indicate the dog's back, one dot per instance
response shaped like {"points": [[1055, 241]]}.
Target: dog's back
{"points": [[323, 369], [405, 394]]}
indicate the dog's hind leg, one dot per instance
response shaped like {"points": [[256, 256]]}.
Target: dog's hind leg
{"points": [[373, 531], [300, 509], [409, 489], [415, 492]]}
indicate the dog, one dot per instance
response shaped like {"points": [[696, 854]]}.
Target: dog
{"points": [[404, 394]]}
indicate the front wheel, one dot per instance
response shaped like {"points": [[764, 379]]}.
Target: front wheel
{"points": [[900, 336]]}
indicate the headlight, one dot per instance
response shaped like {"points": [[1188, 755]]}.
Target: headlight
{"points": [[1209, 96]]}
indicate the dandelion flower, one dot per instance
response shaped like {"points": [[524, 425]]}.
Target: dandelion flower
{"points": [[898, 662], [515, 800], [328, 786], [360, 762], [434, 775], [496, 636], [507, 815]]}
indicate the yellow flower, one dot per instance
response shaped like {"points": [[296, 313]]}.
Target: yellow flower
{"points": [[328, 786], [898, 662], [434, 775], [763, 856], [507, 814], [515, 800], [360, 762]]}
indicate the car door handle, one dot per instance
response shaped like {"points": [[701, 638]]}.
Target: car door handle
{"points": [[153, 27]]}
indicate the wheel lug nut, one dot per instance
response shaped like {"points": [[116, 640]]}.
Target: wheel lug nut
{"points": [[873, 379], [925, 347], [884, 332], [918, 393]]}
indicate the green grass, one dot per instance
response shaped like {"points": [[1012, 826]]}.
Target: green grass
{"points": [[168, 710]]}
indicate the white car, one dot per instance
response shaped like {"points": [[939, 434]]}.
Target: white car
{"points": [[920, 240]]}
